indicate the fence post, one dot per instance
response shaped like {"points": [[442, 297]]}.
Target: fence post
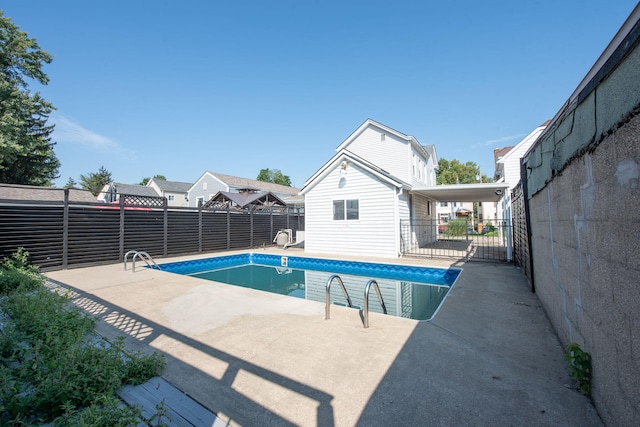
{"points": [[251, 227], [166, 227], [270, 222], [199, 229], [65, 229], [121, 237], [228, 228]]}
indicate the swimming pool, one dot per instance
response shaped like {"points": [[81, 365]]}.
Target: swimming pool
{"points": [[408, 291]]}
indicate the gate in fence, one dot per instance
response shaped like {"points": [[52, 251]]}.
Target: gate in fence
{"points": [[457, 239]]}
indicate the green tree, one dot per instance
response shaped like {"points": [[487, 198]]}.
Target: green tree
{"points": [[145, 181], [455, 172], [275, 176], [71, 183], [26, 149], [94, 182]]}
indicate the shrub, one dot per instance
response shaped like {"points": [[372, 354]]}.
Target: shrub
{"points": [[16, 273], [457, 227], [580, 363], [49, 369]]}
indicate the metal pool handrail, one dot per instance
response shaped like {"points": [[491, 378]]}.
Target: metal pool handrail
{"points": [[366, 301], [143, 255], [328, 296]]}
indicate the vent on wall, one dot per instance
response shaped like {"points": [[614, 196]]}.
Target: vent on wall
{"points": [[382, 136]]}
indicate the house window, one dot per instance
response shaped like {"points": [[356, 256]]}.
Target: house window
{"points": [[199, 201], [346, 209], [171, 197], [444, 204]]}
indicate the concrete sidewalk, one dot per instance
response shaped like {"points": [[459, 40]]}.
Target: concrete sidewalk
{"points": [[489, 357]]}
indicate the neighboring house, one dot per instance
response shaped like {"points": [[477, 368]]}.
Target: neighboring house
{"points": [[111, 192], [210, 183], [507, 161], [453, 210], [35, 193], [177, 193], [357, 201]]}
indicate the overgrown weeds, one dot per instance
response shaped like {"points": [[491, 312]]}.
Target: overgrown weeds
{"points": [[52, 367]]}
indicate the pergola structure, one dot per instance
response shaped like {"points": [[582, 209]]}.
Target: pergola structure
{"points": [[247, 198]]}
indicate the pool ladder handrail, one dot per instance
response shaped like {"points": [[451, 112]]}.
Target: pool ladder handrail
{"points": [[328, 294], [143, 256], [365, 311]]}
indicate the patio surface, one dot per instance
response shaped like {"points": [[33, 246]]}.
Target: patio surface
{"points": [[489, 357]]}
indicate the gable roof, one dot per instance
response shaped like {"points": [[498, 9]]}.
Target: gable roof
{"points": [[133, 189], [171, 186], [33, 192], [524, 145], [238, 182], [352, 159], [242, 200], [372, 123]]}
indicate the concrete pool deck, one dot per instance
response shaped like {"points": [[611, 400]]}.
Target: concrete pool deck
{"points": [[489, 357]]}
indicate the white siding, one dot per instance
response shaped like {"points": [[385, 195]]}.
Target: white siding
{"points": [[213, 185], [373, 234], [393, 154], [179, 199], [512, 158]]}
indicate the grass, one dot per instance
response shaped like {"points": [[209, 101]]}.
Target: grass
{"points": [[53, 367]]}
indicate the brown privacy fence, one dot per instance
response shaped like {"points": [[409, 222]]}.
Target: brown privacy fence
{"points": [[64, 234]]}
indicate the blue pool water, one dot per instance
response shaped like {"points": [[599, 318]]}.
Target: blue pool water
{"points": [[408, 291]]}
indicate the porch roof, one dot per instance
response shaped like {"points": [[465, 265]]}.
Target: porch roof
{"points": [[486, 192]]}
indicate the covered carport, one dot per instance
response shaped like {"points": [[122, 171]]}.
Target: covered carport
{"points": [[462, 242], [481, 192]]}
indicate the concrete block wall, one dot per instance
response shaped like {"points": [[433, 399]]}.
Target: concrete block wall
{"points": [[583, 190]]}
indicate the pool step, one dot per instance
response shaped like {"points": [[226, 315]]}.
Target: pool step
{"points": [[161, 402]]}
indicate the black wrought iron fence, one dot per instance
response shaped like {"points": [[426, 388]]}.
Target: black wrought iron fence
{"points": [[457, 239], [66, 234]]}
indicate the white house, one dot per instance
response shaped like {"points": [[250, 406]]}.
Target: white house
{"points": [[210, 183], [361, 201], [175, 192], [508, 167]]}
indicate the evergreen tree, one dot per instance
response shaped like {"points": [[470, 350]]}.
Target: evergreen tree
{"points": [[71, 183], [26, 149], [94, 182]]}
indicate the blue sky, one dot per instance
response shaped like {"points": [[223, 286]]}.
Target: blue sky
{"points": [[179, 88]]}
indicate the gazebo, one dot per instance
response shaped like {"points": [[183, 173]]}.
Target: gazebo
{"points": [[246, 198]]}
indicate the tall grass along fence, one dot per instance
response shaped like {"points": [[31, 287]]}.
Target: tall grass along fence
{"points": [[64, 234]]}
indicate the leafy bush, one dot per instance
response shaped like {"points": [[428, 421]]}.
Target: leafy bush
{"points": [[457, 227], [16, 273], [580, 363], [49, 369]]}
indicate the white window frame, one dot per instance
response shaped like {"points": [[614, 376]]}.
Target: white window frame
{"points": [[345, 211]]}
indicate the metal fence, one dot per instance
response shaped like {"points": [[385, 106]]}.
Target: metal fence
{"points": [[458, 239], [59, 235], [521, 247]]}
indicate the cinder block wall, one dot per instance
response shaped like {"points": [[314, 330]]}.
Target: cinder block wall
{"points": [[583, 188]]}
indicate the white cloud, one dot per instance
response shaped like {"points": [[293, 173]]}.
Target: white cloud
{"points": [[71, 132], [500, 141]]}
